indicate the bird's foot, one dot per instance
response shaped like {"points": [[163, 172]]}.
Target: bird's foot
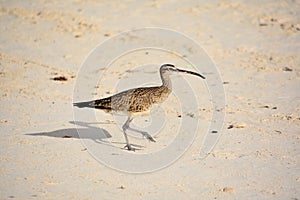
{"points": [[129, 147], [148, 136]]}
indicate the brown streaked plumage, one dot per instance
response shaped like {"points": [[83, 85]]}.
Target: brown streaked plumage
{"points": [[137, 100]]}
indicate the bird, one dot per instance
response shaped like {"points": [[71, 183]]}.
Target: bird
{"points": [[137, 100]]}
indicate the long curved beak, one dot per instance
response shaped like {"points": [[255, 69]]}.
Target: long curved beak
{"points": [[189, 72]]}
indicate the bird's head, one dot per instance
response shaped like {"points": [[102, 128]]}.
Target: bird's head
{"points": [[167, 68]]}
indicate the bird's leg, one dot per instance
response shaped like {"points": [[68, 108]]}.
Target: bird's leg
{"points": [[125, 127], [145, 134]]}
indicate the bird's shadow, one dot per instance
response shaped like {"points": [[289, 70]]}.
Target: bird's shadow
{"points": [[96, 134], [88, 132]]}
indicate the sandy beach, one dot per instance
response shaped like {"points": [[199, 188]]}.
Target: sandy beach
{"points": [[45, 46]]}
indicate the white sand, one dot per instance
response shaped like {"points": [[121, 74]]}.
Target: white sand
{"points": [[253, 44]]}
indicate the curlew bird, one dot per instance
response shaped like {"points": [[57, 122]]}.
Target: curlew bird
{"points": [[138, 100]]}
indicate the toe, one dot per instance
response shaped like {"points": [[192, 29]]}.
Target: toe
{"points": [[129, 147]]}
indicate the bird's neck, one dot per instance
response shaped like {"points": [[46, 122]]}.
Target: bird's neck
{"points": [[166, 81]]}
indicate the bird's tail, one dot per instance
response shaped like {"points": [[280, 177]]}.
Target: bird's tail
{"points": [[87, 104], [98, 104]]}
